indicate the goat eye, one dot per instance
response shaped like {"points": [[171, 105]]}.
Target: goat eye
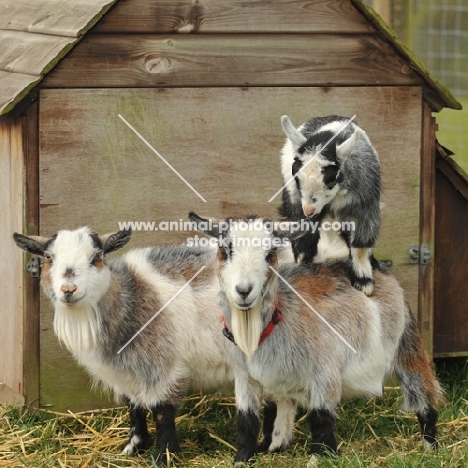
{"points": [[48, 257], [297, 164], [269, 256], [225, 251]]}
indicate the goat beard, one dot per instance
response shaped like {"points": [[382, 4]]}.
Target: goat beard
{"points": [[247, 326], [78, 328]]}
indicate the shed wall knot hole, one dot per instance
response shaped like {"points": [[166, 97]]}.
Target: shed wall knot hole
{"points": [[157, 64]]}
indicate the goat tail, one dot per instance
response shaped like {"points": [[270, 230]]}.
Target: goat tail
{"points": [[421, 390]]}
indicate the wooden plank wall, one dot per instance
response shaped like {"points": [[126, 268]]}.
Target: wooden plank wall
{"points": [[233, 16], [226, 143], [232, 45], [451, 261], [230, 60], [11, 258]]}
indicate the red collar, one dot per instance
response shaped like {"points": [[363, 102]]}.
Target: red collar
{"points": [[275, 319]]}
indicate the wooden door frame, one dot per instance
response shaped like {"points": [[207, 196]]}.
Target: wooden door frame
{"points": [[31, 288], [427, 227]]}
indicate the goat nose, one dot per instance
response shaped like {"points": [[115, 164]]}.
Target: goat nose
{"points": [[244, 291], [68, 291], [308, 210]]}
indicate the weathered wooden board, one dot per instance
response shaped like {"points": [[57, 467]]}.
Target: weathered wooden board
{"points": [[227, 16], [231, 60], [47, 17], [29, 53], [11, 258], [427, 227], [451, 263], [226, 143], [31, 297]]}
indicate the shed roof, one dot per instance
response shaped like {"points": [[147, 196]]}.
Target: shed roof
{"points": [[36, 34]]}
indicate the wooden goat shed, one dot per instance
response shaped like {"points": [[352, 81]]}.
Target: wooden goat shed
{"points": [[91, 88]]}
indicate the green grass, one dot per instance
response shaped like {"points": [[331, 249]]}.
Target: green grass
{"points": [[453, 132], [372, 433]]}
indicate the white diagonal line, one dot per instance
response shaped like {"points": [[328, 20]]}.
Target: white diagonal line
{"points": [[159, 155], [313, 310], [310, 160], [161, 309]]}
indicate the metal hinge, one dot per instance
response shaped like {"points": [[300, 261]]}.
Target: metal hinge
{"points": [[34, 267], [421, 255]]}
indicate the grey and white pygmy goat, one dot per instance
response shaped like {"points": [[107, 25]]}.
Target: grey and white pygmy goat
{"points": [[100, 306], [336, 172]]}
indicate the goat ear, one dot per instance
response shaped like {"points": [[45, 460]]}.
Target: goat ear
{"points": [[346, 148], [296, 137], [115, 241], [33, 244], [208, 226], [290, 230]]}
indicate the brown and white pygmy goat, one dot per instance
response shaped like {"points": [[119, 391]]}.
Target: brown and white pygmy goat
{"points": [[303, 332], [100, 306]]}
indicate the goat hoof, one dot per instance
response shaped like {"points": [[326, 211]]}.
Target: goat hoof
{"points": [[136, 445], [322, 450], [266, 447], [430, 443], [243, 464], [242, 460]]}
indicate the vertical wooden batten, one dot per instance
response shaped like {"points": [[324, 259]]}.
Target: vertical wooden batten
{"points": [[427, 227], [31, 312]]}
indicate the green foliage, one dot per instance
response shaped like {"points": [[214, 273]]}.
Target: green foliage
{"points": [[438, 37]]}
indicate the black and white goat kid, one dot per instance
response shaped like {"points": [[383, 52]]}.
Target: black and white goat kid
{"points": [[335, 175], [346, 348], [100, 305]]}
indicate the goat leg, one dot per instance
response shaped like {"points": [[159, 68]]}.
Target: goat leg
{"points": [[167, 440], [139, 436]]}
